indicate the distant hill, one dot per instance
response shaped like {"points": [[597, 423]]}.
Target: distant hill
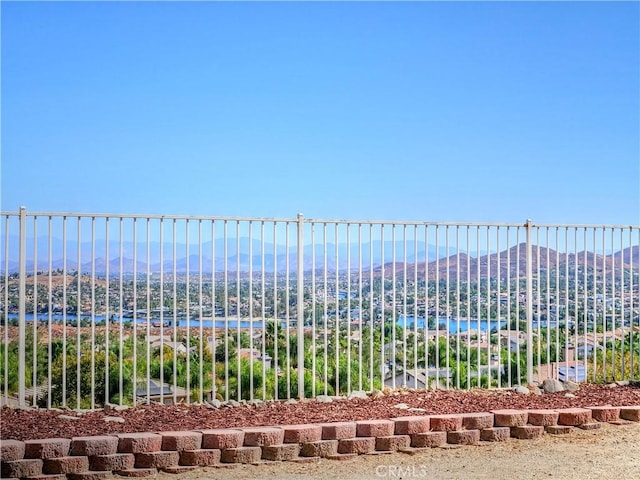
{"points": [[513, 262]]}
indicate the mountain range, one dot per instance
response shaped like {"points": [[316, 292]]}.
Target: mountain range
{"points": [[421, 256], [513, 261]]}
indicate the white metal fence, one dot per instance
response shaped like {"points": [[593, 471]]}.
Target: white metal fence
{"points": [[117, 308]]}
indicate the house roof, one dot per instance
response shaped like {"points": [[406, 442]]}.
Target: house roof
{"points": [[157, 389]]}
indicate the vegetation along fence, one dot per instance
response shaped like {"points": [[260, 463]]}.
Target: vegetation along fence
{"points": [[99, 308]]}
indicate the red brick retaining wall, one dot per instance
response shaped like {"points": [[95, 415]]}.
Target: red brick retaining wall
{"points": [[143, 454]]}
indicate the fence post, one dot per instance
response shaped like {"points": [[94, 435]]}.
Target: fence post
{"points": [[300, 305], [529, 299], [22, 306]]}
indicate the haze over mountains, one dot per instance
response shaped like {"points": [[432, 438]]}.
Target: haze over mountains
{"points": [[275, 257]]}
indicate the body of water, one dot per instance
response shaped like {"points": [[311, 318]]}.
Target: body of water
{"points": [[444, 324], [484, 325], [454, 325], [115, 319]]}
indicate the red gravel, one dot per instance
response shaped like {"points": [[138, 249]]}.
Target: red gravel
{"points": [[41, 423]]}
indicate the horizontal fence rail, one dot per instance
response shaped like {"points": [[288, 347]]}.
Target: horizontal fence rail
{"points": [[122, 309]]}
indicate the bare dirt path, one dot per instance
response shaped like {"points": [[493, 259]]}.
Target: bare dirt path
{"points": [[612, 452]]}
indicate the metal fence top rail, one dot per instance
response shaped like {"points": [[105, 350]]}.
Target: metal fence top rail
{"points": [[300, 217]]}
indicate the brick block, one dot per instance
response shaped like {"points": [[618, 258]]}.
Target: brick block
{"points": [[90, 476], [621, 422], [631, 413], [302, 433], [180, 441], [287, 451], [200, 457], [445, 423], [139, 442], [261, 436], [477, 421], [98, 445], [463, 437], [75, 464], [543, 418], [305, 460], [574, 416], [509, 418], [558, 429], [114, 462], [413, 450], [222, 438], [338, 430], [44, 476], [590, 426], [179, 469], [374, 428], [241, 455], [321, 448], [428, 439], [156, 459], [495, 434], [381, 452], [410, 425], [138, 472], [11, 450], [47, 448], [605, 413], [393, 443], [527, 432], [358, 445], [22, 468], [342, 456]]}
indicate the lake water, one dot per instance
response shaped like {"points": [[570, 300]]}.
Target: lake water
{"points": [[443, 324], [453, 325], [99, 319]]}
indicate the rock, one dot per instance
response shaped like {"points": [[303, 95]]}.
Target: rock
{"points": [[534, 389], [291, 401], [551, 385], [357, 394], [255, 403], [401, 406], [231, 403], [623, 383], [570, 386], [121, 408], [376, 394], [569, 395], [68, 417], [215, 403], [612, 385], [324, 399], [522, 390], [113, 419], [416, 409]]}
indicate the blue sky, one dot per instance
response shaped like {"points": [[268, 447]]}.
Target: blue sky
{"points": [[397, 111]]}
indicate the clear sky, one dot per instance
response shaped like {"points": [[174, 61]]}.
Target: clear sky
{"points": [[366, 110]]}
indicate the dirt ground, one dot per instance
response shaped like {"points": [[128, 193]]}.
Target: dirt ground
{"points": [[612, 452]]}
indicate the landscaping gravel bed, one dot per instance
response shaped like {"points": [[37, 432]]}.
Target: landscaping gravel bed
{"points": [[33, 423]]}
